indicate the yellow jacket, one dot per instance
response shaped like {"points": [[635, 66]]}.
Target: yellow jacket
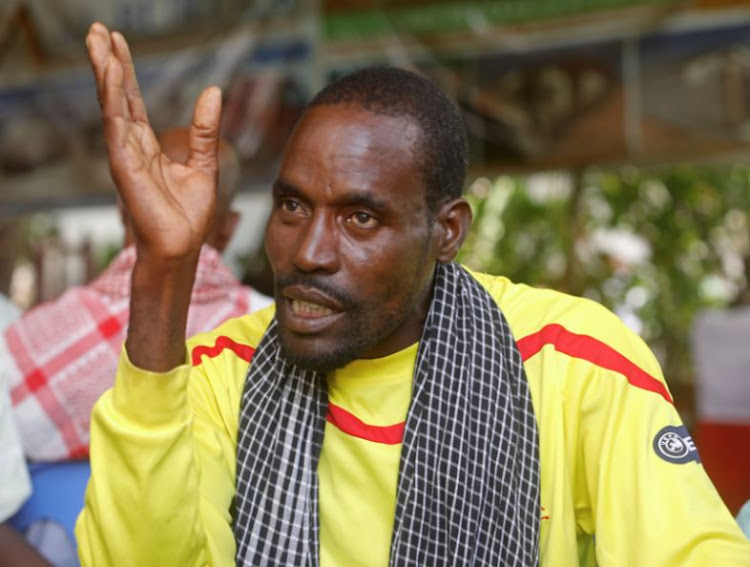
{"points": [[621, 482]]}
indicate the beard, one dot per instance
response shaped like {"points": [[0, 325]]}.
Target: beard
{"points": [[344, 352], [366, 324]]}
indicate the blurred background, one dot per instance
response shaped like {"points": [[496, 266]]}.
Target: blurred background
{"points": [[609, 140]]}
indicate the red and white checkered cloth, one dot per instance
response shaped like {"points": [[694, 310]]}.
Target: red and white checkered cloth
{"points": [[62, 355]]}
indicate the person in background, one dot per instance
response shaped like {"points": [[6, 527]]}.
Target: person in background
{"points": [[9, 244], [394, 408], [15, 488], [62, 355], [9, 312]]}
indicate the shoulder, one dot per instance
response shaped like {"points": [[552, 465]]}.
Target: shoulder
{"points": [[237, 337], [529, 309], [77, 310], [220, 360], [551, 324]]}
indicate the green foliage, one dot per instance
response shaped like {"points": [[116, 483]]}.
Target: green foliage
{"points": [[654, 246]]}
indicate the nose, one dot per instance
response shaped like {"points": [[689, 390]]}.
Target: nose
{"points": [[317, 245]]}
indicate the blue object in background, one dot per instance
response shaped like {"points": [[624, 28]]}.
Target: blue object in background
{"points": [[58, 490], [743, 519]]}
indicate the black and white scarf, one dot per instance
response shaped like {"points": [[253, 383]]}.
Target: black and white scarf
{"points": [[468, 485]]}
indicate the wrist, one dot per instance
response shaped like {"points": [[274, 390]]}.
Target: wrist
{"points": [[151, 265], [159, 303]]}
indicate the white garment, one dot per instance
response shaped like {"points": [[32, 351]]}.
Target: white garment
{"points": [[8, 312], [722, 359], [15, 486]]}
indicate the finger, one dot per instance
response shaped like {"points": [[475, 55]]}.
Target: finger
{"points": [[115, 114], [116, 130], [130, 82], [204, 131], [98, 44], [115, 99], [119, 127]]}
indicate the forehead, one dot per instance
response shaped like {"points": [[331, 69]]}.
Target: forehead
{"points": [[343, 145]]}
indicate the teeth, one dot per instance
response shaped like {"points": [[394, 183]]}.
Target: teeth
{"points": [[307, 308]]}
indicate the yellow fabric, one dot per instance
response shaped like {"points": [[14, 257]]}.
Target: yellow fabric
{"points": [[358, 477], [163, 456]]}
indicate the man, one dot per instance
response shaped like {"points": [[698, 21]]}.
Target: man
{"points": [[61, 356], [383, 413]]}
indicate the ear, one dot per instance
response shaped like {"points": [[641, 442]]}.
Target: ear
{"points": [[452, 222]]}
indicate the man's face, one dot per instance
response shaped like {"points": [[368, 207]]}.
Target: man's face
{"points": [[349, 238]]}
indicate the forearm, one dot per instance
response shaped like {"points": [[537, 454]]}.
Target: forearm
{"points": [[143, 500], [159, 303]]}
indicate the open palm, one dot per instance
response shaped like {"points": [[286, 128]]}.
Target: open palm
{"points": [[170, 204]]}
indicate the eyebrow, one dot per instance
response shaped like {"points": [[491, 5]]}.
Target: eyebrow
{"points": [[281, 187], [364, 199], [350, 198]]}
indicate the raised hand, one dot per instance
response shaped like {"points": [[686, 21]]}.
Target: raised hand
{"points": [[170, 204]]}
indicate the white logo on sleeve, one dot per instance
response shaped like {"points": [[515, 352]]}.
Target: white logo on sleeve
{"points": [[674, 445]]}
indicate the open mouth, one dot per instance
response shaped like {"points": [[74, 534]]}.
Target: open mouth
{"points": [[308, 309]]}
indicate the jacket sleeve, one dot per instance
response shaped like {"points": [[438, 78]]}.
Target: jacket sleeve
{"points": [[642, 491], [162, 460]]}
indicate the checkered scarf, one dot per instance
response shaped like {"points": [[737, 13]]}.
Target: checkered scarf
{"points": [[468, 488]]}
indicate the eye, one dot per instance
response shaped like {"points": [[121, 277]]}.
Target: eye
{"points": [[289, 205], [362, 219]]}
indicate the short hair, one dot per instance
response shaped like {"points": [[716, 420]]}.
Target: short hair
{"points": [[442, 148]]}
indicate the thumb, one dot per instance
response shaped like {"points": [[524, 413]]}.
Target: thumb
{"points": [[204, 132]]}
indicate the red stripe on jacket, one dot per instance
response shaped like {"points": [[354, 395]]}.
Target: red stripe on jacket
{"points": [[352, 425], [245, 352], [588, 348], [339, 417], [583, 347]]}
